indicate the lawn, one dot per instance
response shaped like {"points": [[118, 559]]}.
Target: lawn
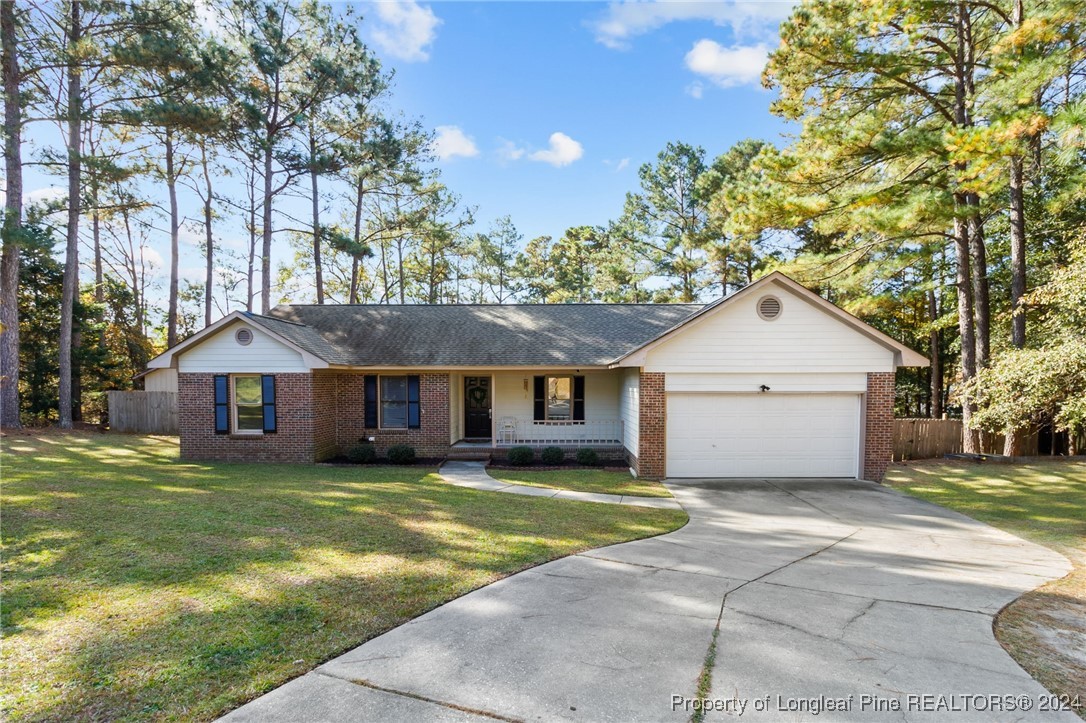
{"points": [[582, 480], [1045, 630], [136, 586]]}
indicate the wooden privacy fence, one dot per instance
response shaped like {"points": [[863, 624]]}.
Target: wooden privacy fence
{"points": [[143, 412], [931, 438]]}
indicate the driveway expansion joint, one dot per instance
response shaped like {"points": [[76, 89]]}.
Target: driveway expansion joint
{"points": [[415, 696]]}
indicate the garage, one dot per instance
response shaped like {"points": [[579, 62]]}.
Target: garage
{"points": [[763, 434]]}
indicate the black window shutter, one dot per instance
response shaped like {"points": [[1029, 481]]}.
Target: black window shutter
{"points": [[413, 401], [267, 388], [222, 404], [369, 402], [540, 399], [578, 399]]}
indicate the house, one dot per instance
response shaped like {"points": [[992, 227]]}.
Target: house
{"points": [[772, 381]]}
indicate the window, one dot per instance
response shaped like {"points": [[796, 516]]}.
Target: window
{"points": [[395, 399], [394, 402], [248, 405], [559, 398], [244, 404]]}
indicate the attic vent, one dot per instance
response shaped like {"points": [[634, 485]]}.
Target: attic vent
{"points": [[769, 307], [243, 336]]}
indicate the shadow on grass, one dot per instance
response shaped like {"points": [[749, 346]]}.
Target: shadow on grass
{"points": [[157, 588]]}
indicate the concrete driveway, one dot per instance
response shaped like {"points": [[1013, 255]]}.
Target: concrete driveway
{"points": [[814, 591]]}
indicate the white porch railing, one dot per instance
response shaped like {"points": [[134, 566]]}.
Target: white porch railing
{"points": [[513, 430]]}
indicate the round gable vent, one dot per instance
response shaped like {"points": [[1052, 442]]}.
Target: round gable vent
{"points": [[769, 307], [243, 336]]}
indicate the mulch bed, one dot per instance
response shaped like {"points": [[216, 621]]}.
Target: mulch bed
{"points": [[556, 467]]}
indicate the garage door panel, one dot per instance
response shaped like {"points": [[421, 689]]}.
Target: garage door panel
{"points": [[762, 435]]}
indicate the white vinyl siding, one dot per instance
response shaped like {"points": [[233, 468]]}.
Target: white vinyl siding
{"points": [[160, 380], [803, 339], [763, 435], [513, 397], [222, 354], [630, 408]]}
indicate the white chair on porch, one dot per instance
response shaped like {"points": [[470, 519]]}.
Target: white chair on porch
{"points": [[507, 430]]}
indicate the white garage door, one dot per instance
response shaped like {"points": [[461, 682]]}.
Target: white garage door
{"points": [[762, 435]]}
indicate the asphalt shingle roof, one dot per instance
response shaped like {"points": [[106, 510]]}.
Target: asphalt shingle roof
{"points": [[473, 335]]}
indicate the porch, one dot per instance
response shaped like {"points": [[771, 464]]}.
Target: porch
{"points": [[515, 432], [570, 408]]}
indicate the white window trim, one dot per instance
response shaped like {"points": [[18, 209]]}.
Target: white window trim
{"points": [[381, 403], [234, 405], [547, 406]]}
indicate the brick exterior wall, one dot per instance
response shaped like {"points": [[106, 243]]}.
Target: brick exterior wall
{"points": [[652, 427], [293, 442], [879, 425], [430, 440], [325, 403]]}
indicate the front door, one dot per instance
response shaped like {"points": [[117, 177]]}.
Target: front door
{"points": [[477, 407]]}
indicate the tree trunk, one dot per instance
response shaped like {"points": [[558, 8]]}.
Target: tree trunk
{"points": [[355, 261], [252, 238], [265, 251], [935, 408], [13, 219], [1018, 254], [979, 269], [171, 189], [96, 235], [77, 376], [313, 181], [70, 283], [209, 239], [1013, 437], [970, 439]]}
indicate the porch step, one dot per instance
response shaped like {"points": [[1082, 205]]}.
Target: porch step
{"points": [[468, 454]]}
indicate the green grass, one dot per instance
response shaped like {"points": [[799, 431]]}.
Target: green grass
{"points": [[136, 586], [1044, 502], [583, 480]]}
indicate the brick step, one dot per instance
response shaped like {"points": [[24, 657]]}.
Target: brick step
{"points": [[469, 455]]}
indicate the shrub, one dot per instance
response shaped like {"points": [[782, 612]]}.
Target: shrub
{"points": [[521, 456], [362, 453], [552, 455], [401, 454], [587, 457]]}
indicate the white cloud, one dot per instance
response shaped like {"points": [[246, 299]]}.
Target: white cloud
{"points": [[628, 19], [404, 29], [452, 142], [695, 90], [44, 195], [622, 165], [152, 257], [509, 151], [563, 151], [727, 67]]}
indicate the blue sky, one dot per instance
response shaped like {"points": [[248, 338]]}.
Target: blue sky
{"points": [[506, 76], [543, 110]]}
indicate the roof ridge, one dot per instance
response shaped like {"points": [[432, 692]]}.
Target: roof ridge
{"points": [[495, 306], [253, 314]]}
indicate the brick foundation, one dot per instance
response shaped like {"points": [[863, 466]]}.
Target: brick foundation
{"points": [[293, 442], [430, 440], [879, 425], [652, 427]]}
